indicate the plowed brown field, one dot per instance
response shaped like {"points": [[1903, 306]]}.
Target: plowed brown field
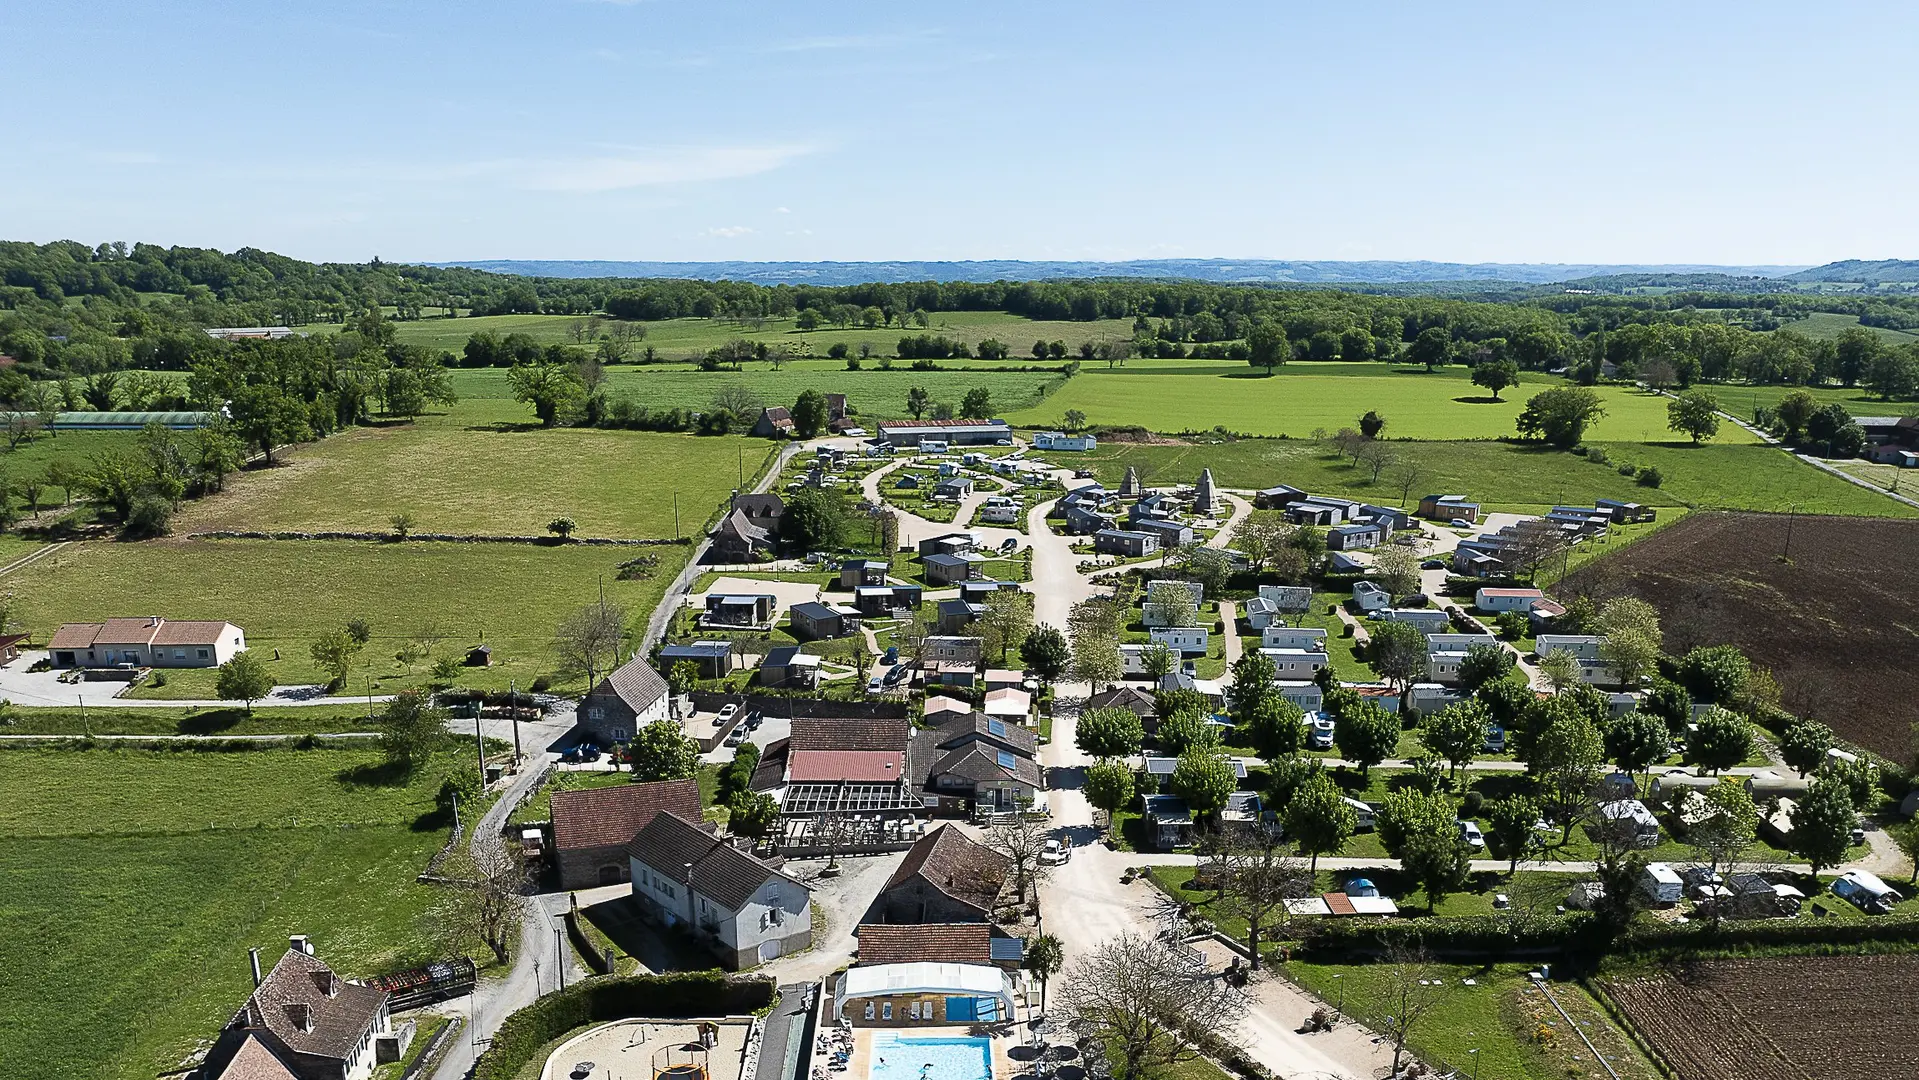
{"points": [[1784, 1018], [1837, 620]]}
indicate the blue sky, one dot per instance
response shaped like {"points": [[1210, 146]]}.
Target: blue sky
{"points": [[575, 129]]}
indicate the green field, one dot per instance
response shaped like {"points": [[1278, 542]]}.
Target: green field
{"points": [[1443, 405], [488, 481], [1506, 476], [873, 394], [138, 879], [1822, 325], [212, 722], [285, 593], [678, 338], [1501, 1027]]}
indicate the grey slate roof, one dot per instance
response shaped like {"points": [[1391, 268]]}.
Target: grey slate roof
{"points": [[338, 1015], [636, 683], [721, 872]]}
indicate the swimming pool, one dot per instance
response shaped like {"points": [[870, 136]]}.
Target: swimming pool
{"points": [[928, 1057]]}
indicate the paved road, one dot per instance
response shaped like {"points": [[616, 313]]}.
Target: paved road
{"points": [[536, 962]]}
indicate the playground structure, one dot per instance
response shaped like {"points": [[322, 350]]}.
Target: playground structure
{"points": [[644, 1049]]}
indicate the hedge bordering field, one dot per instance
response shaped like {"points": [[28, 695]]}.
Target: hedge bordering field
{"points": [[691, 993]]}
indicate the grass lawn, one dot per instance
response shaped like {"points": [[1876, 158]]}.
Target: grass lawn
{"points": [[679, 338], [1443, 405], [1515, 1032], [1507, 476], [285, 593], [478, 479], [137, 880], [75, 448], [872, 393], [1822, 325], [189, 721]]}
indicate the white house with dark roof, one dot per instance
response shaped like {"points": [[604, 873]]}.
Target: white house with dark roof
{"points": [[745, 910], [628, 699], [302, 1022], [146, 642], [591, 826]]}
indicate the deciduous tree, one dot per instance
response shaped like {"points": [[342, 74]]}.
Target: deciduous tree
{"points": [[1148, 1003]]}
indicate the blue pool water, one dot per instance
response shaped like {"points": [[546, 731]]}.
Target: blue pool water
{"points": [[909, 1057]]}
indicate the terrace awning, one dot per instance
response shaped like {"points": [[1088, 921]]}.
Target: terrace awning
{"points": [[926, 977]]}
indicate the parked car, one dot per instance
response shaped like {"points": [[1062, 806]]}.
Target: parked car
{"points": [[898, 674], [1055, 852], [892, 654], [1469, 832], [1700, 879], [1495, 740], [1460, 523], [753, 720], [1432, 564], [876, 684], [1082, 474], [736, 736], [1009, 544], [727, 712], [584, 752]]}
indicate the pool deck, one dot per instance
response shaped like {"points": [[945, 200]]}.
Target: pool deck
{"points": [[1004, 1066], [624, 1049]]}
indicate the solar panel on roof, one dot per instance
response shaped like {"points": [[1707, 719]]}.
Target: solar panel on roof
{"points": [[1005, 759], [996, 727]]}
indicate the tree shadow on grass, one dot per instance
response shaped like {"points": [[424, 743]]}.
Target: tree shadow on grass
{"points": [[211, 722], [1479, 399], [508, 427], [375, 774]]}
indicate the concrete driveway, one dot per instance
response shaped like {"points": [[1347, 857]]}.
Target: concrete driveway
{"points": [[44, 688]]}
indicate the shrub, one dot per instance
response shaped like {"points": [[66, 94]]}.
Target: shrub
{"points": [[1627, 468], [1597, 455], [852, 363], [1650, 477], [150, 515], [541, 684], [1472, 804]]}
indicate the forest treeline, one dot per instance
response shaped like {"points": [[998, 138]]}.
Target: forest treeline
{"points": [[69, 309]]}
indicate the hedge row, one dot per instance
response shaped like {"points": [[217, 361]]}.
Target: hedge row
{"points": [[1577, 934], [687, 993], [444, 538]]}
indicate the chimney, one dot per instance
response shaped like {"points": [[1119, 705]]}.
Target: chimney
{"points": [[254, 956], [299, 943]]}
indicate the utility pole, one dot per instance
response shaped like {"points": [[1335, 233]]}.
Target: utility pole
{"points": [[1790, 512], [741, 454], [513, 706], [559, 952], [479, 744], [676, 515]]}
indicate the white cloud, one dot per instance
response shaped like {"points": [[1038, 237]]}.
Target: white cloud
{"points": [[781, 210], [729, 231], [850, 41], [668, 165]]}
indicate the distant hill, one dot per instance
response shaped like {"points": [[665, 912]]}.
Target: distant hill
{"points": [[1223, 271], [1861, 270]]}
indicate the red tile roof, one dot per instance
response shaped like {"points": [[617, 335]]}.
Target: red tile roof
{"points": [[940, 943], [849, 734], [609, 816], [861, 765]]}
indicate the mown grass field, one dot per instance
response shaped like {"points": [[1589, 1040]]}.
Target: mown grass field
{"points": [[210, 722], [678, 338], [285, 593], [1443, 405], [874, 394], [1506, 476], [459, 479], [138, 879], [1502, 1027], [1821, 325]]}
